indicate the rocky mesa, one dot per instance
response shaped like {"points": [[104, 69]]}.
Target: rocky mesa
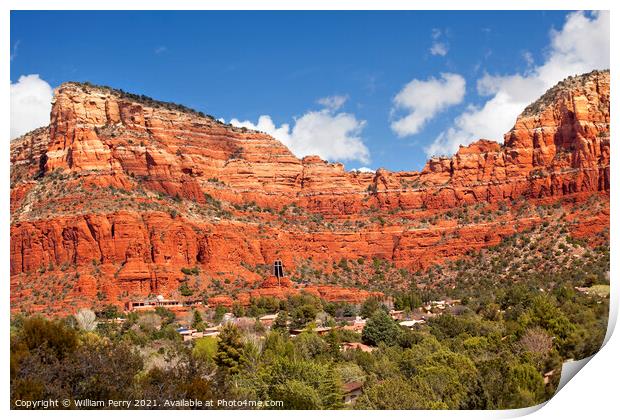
{"points": [[122, 197]]}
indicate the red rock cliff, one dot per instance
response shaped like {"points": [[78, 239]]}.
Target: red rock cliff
{"points": [[122, 192]]}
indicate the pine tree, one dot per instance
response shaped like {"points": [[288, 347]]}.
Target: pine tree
{"points": [[281, 322], [197, 322], [380, 328], [331, 391], [333, 342], [229, 348]]}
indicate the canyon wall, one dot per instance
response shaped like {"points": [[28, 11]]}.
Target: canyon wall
{"points": [[123, 192]]}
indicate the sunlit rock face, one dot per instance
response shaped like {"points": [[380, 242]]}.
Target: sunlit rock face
{"points": [[120, 193]]}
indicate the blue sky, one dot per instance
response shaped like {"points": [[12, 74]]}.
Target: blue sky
{"points": [[241, 65]]}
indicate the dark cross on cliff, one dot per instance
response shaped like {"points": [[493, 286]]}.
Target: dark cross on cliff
{"points": [[278, 270]]}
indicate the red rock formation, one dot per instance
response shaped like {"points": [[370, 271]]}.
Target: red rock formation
{"points": [[124, 192]]}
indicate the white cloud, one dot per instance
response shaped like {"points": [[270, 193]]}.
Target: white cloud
{"points": [[580, 46], [331, 135], [14, 49], [529, 58], [266, 125], [333, 103], [31, 104], [364, 169], [160, 50], [439, 48], [423, 99]]}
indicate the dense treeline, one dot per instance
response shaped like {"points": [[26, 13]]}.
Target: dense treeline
{"points": [[490, 351]]}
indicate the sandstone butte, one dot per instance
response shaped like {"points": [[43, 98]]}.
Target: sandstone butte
{"points": [[120, 193]]}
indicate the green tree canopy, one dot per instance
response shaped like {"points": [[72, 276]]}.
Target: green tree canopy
{"points": [[229, 348], [371, 305], [380, 328]]}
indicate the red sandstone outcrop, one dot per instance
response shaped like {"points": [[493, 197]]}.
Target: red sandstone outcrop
{"points": [[283, 289], [125, 192]]}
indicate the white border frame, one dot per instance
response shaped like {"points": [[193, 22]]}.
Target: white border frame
{"points": [[592, 394]]}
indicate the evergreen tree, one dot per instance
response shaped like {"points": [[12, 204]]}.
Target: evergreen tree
{"points": [[238, 310], [281, 322], [331, 391], [229, 348], [380, 328], [370, 306], [219, 313], [296, 395], [197, 322], [303, 315], [333, 342]]}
